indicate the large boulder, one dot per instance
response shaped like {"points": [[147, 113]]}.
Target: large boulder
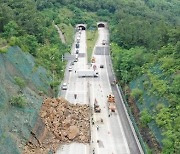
{"points": [[73, 132]]}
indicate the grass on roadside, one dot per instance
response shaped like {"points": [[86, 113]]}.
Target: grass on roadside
{"points": [[92, 36], [68, 32]]}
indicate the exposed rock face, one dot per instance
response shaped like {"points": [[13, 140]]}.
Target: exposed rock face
{"points": [[64, 122]]}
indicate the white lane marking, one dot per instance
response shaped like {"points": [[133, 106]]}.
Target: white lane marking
{"points": [[81, 92]]}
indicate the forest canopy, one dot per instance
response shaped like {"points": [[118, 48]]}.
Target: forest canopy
{"points": [[145, 34]]}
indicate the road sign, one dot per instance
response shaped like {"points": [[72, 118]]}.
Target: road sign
{"points": [[68, 56]]}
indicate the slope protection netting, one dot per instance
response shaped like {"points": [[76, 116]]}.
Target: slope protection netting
{"points": [[16, 123], [149, 102]]}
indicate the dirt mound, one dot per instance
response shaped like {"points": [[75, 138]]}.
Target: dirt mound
{"points": [[63, 122]]}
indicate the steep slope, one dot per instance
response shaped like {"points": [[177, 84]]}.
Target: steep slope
{"points": [[21, 88]]}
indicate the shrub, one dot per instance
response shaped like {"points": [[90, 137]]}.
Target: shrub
{"points": [[18, 101], [146, 84], [159, 106], [54, 84], [136, 93], [20, 82], [4, 50], [145, 117]]}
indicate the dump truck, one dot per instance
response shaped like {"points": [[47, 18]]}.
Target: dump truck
{"points": [[111, 98], [87, 73], [111, 104]]}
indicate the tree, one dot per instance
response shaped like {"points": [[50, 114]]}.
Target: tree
{"points": [[11, 29]]}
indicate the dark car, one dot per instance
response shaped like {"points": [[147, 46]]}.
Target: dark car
{"points": [[101, 66], [104, 42], [77, 51], [77, 45]]}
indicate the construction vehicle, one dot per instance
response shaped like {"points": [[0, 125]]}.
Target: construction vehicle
{"points": [[112, 107], [111, 98], [96, 107], [111, 103], [93, 60]]}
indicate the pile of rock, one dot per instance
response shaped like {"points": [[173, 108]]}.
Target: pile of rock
{"points": [[63, 123], [66, 121]]}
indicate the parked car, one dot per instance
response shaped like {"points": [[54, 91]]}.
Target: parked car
{"points": [[64, 86], [101, 66]]}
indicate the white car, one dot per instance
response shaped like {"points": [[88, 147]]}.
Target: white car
{"points": [[70, 68], [64, 86]]}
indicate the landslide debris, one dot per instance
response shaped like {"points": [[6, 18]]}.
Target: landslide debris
{"points": [[63, 123]]}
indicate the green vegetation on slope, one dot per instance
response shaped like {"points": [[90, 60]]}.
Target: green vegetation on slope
{"points": [[145, 44], [160, 70], [92, 36]]}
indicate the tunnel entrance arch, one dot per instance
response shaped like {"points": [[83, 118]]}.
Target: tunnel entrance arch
{"points": [[101, 25], [81, 27]]}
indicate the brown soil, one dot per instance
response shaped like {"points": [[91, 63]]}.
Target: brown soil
{"points": [[60, 122], [145, 131]]}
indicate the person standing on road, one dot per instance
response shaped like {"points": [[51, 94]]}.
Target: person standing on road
{"points": [[93, 150], [97, 127], [75, 96]]}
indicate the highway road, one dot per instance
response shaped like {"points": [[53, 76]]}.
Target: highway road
{"points": [[114, 134], [77, 86], [110, 134]]}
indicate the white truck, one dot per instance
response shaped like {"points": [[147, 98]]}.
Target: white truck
{"points": [[87, 73]]}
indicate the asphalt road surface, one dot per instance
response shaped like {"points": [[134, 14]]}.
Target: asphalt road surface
{"points": [[78, 86], [111, 135], [114, 135]]}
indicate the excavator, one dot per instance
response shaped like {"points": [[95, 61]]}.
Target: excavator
{"points": [[96, 107]]}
